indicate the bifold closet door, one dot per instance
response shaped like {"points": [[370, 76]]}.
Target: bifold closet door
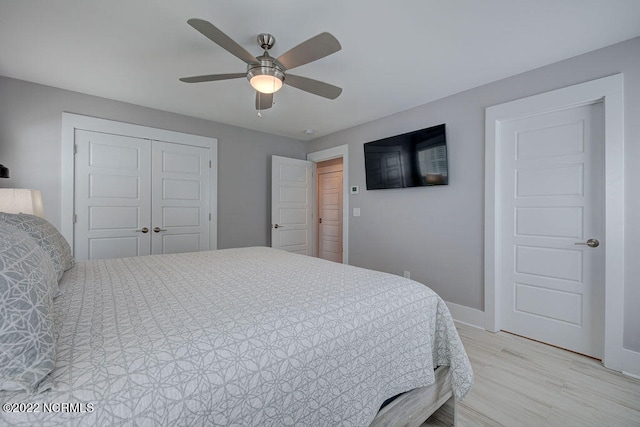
{"points": [[112, 196], [180, 198]]}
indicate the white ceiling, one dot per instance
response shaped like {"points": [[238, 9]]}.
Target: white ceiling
{"points": [[395, 55]]}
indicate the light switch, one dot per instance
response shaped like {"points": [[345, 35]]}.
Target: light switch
{"points": [[356, 211]]}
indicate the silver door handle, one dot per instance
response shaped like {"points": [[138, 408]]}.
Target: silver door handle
{"points": [[143, 230], [278, 226], [592, 243], [158, 229]]}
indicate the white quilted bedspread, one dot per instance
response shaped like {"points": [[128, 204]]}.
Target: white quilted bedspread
{"points": [[241, 337]]}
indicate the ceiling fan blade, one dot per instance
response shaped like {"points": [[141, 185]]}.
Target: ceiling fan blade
{"points": [[212, 77], [317, 47], [264, 100], [313, 86], [208, 30]]}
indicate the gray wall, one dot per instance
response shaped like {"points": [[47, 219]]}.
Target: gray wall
{"points": [[437, 233], [30, 133]]}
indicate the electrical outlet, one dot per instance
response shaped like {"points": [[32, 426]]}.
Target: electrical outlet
{"points": [[407, 274]]}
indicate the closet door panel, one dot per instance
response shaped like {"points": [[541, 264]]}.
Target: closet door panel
{"points": [[180, 198], [112, 195]]}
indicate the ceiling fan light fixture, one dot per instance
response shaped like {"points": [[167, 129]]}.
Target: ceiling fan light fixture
{"points": [[265, 79], [265, 83]]}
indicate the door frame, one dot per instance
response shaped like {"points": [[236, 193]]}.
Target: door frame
{"points": [[329, 154], [71, 122], [608, 90]]}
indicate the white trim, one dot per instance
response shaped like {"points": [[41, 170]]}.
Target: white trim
{"points": [[631, 363], [71, 122], [334, 153], [609, 90], [467, 315]]}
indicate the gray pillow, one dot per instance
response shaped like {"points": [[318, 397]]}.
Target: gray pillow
{"points": [[27, 341], [47, 236]]}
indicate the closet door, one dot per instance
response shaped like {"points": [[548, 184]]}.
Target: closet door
{"points": [[180, 198], [138, 197], [112, 196]]}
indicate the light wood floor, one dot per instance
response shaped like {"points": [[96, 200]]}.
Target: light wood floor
{"points": [[519, 382]]}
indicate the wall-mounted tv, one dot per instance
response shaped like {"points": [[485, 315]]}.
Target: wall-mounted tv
{"points": [[413, 159]]}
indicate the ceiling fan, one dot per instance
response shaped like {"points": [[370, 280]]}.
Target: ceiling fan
{"points": [[267, 74]]}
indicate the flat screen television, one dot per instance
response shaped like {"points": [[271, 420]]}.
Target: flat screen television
{"points": [[413, 159]]}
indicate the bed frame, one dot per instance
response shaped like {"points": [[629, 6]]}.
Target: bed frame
{"points": [[414, 407]]}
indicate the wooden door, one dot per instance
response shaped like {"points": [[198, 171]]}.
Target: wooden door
{"points": [[329, 202]]}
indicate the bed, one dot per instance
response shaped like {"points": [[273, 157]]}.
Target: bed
{"points": [[247, 336]]}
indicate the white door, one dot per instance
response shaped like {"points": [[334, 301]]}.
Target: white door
{"points": [[552, 204], [291, 205], [330, 215], [180, 202], [112, 196], [137, 197]]}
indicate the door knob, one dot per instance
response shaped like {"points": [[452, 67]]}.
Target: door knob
{"points": [[278, 226], [158, 229], [592, 243], [143, 230]]}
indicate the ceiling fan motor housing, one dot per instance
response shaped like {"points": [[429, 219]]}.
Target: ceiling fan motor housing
{"points": [[266, 41]]}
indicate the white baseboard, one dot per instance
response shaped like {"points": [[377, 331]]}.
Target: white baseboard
{"points": [[467, 315], [474, 317], [631, 363]]}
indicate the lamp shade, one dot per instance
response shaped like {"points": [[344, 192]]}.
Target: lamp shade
{"points": [[4, 171], [19, 200]]}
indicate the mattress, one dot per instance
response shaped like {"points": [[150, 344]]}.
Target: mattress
{"points": [[248, 336]]}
